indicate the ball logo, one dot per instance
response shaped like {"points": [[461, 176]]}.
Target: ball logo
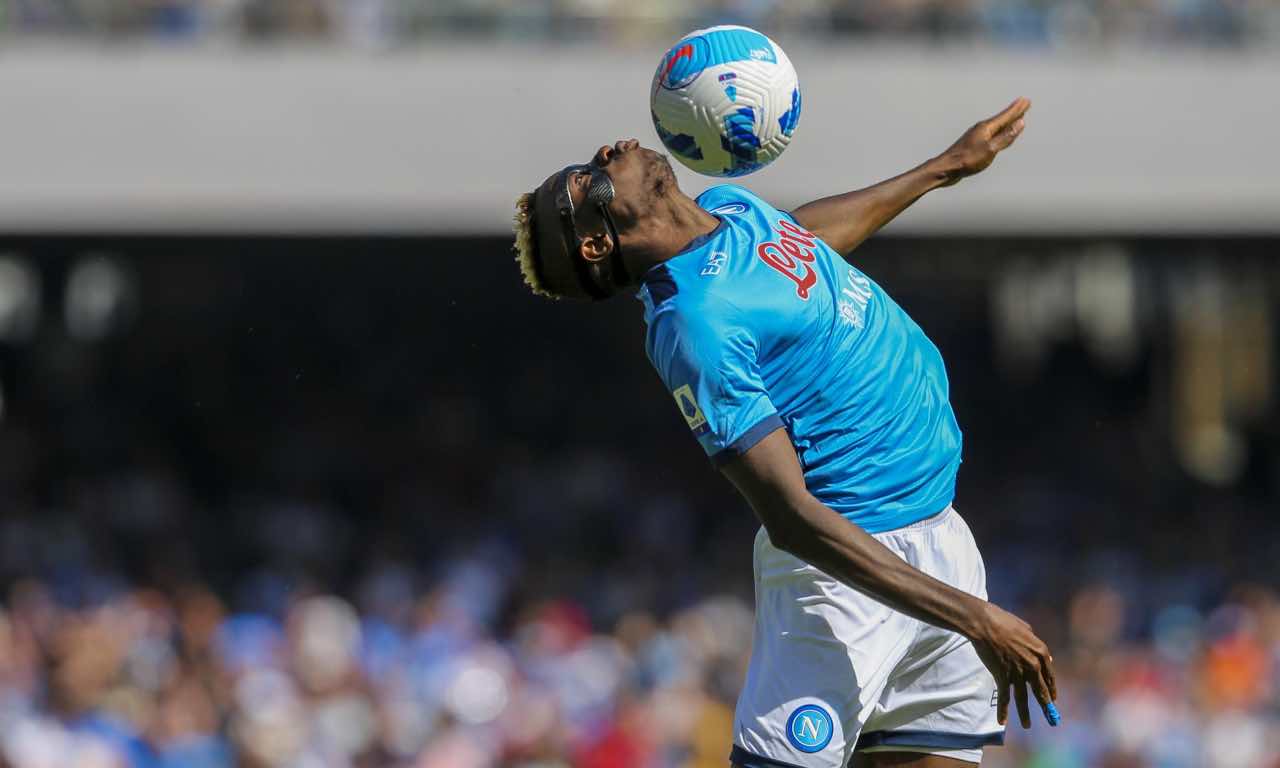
{"points": [[809, 728], [684, 63], [791, 256]]}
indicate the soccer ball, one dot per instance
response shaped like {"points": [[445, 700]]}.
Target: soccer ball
{"points": [[725, 100]]}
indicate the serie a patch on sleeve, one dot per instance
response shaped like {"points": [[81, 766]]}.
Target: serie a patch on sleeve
{"points": [[692, 413]]}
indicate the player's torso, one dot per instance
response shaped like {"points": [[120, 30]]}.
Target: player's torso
{"points": [[829, 339], [861, 389]]}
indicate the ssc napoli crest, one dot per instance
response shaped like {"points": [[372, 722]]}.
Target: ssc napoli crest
{"points": [[809, 728]]}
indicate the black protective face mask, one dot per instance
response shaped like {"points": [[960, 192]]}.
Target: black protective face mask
{"points": [[613, 272]]}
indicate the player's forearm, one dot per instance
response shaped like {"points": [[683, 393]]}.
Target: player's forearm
{"points": [[845, 221], [818, 535]]}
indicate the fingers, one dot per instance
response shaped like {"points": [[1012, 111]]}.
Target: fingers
{"points": [[1020, 697], [1002, 701], [1038, 675], [1004, 138], [1045, 689], [1009, 115], [1046, 668], [1039, 687]]}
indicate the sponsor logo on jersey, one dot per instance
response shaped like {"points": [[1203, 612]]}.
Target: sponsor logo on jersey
{"points": [[809, 728], [791, 254], [690, 410], [853, 298]]}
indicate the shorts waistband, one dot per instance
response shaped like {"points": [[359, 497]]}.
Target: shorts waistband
{"points": [[928, 522]]}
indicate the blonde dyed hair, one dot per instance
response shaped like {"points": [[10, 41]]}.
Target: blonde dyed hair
{"points": [[522, 224]]}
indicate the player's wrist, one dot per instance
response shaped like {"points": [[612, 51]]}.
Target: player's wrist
{"points": [[974, 621], [944, 170]]}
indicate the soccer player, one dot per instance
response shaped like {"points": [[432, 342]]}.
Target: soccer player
{"points": [[827, 407]]}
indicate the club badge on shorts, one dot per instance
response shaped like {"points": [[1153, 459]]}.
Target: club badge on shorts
{"points": [[809, 728], [692, 413]]}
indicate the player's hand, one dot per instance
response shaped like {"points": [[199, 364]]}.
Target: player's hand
{"points": [[979, 145], [1017, 659]]}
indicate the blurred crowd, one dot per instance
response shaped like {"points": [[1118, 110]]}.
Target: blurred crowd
{"points": [[387, 23], [449, 666], [332, 503], [402, 677]]}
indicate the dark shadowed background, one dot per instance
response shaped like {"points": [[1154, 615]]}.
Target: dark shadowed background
{"points": [[383, 447]]}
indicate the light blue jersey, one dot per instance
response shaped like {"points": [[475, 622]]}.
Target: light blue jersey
{"points": [[760, 325]]}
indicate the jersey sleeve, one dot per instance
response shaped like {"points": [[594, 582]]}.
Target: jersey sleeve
{"points": [[710, 369]]}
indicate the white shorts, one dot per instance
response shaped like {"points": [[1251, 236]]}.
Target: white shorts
{"points": [[833, 671]]}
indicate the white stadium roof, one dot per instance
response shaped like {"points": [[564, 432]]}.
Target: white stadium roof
{"points": [[442, 140]]}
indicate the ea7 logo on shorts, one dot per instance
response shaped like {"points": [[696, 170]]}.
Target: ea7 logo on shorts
{"points": [[809, 728], [791, 256], [692, 413]]}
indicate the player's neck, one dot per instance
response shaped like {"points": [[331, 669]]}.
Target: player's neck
{"points": [[677, 222]]}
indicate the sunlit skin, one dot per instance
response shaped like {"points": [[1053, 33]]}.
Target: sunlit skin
{"points": [[655, 221]]}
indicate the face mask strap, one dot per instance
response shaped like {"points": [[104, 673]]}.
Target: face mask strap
{"points": [[617, 267], [600, 193]]}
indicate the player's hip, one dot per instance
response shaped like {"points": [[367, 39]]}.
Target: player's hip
{"points": [[940, 545], [832, 665]]}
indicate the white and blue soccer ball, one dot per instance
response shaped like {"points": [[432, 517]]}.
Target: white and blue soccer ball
{"points": [[725, 100]]}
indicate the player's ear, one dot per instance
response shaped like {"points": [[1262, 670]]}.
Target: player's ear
{"points": [[597, 247]]}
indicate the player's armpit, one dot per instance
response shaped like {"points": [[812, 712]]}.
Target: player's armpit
{"points": [[845, 221]]}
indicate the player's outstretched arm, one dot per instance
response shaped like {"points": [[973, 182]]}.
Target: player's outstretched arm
{"points": [[844, 221], [769, 476]]}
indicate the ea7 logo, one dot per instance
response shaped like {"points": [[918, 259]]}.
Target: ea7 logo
{"points": [[791, 256], [715, 263]]}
